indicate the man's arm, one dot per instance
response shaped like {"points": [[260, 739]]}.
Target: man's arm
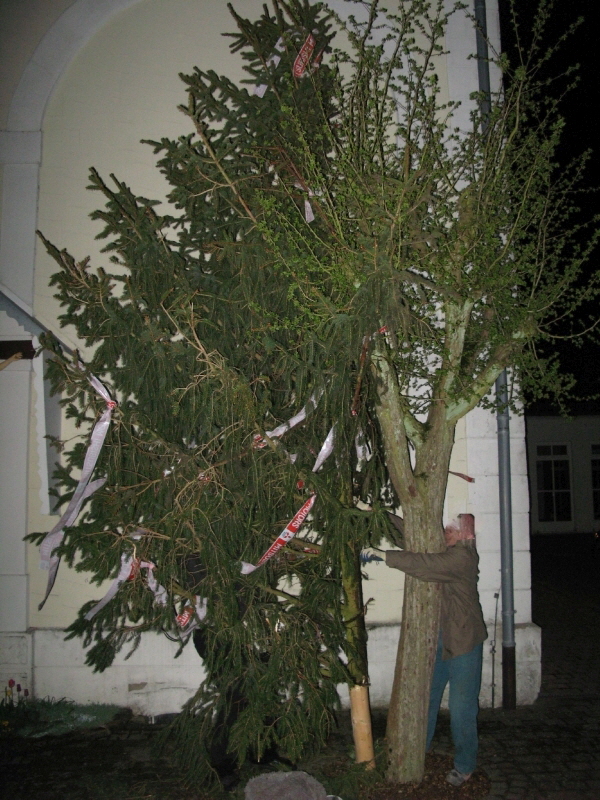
{"points": [[434, 567]]}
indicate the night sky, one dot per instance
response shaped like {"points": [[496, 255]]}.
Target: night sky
{"points": [[580, 109]]}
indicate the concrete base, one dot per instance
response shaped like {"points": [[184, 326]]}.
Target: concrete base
{"points": [[16, 660], [152, 682]]}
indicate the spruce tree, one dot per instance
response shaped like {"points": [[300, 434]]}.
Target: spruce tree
{"points": [[336, 246]]}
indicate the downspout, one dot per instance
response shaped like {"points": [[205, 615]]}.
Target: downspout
{"points": [[509, 683]]}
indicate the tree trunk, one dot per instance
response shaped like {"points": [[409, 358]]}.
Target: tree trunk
{"points": [[420, 483], [409, 703]]}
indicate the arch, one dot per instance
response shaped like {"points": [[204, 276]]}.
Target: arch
{"points": [[21, 145], [53, 54], [20, 157]]}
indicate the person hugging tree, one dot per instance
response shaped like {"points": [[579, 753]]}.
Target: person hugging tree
{"points": [[460, 643]]}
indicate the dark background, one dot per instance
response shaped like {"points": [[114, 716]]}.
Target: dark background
{"points": [[580, 108]]}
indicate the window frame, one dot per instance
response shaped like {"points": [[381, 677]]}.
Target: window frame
{"points": [[553, 457]]}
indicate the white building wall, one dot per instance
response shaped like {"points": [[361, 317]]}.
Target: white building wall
{"points": [[103, 77], [15, 380], [579, 434]]}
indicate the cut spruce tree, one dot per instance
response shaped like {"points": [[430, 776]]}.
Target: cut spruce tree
{"points": [[342, 257]]}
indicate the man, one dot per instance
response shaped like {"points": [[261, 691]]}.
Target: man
{"points": [[462, 633]]}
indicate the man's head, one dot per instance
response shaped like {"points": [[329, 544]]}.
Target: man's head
{"points": [[461, 530]]}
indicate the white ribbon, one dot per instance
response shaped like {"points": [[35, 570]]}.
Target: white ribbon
{"points": [[129, 567], [313, 400], [160, 593], [272, 61], [363, 450], [309, 214], [325, 451], [48, 559], [124, 573]]}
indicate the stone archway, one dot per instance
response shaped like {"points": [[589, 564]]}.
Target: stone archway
{"points": [[21, 142]]}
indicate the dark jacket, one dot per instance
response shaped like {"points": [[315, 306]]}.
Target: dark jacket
{"points": [[456, 569]]}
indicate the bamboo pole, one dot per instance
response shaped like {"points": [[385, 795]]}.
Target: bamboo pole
{"points": [[361, 726]]}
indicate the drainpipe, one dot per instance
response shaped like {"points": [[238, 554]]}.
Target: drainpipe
{"points": [[509, 684]]}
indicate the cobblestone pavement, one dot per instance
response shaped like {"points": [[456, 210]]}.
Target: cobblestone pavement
{"points": [[547, 751], [551, 750]]}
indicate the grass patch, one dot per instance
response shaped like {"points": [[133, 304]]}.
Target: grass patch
{"points": [[50, 717]]}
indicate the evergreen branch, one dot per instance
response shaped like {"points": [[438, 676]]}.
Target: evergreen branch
{"points": [[216, 161], [289, 598]]}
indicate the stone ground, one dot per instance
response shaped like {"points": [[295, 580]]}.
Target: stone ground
{"points": [[547, 751]]}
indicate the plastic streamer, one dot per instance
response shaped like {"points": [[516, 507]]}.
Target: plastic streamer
{"points": [[292, 528], [127, 562], [48, 559], [272, 61], [130, 567], [286, 535]]}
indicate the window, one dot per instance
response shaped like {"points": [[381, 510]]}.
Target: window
{"points": [[554, 483], [596, 479]]}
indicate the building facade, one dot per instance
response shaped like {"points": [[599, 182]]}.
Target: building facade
{"points": [[83, 81], [564, 473]]}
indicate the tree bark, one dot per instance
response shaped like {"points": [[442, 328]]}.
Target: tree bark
{"points": [[409, 703], [420, 483]]}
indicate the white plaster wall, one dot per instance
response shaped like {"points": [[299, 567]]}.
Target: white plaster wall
{"points": [[15, 381], [121, 87], [482, 448], [16, 660], [150, 682], [23, 24]]}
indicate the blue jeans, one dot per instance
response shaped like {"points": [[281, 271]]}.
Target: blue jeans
{"points": [[464, 675]]}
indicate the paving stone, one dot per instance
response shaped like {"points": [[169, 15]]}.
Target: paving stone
{"points": [[551, 750]]}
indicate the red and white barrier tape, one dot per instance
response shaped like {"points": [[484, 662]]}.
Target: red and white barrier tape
{"points": [[286, 535], [186, 620], [304, 56], [292, 528], [302, 62]]}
